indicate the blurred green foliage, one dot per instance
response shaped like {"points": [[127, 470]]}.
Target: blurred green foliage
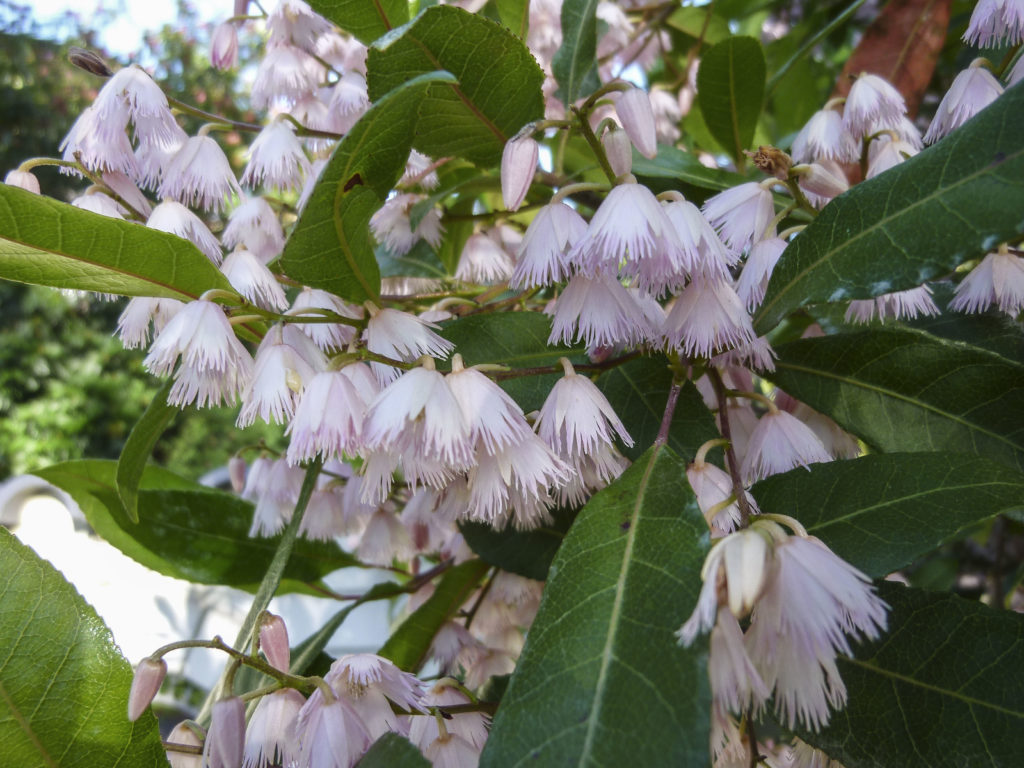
{"points": [[68, 389]]}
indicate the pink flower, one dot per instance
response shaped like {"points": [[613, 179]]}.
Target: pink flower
{"points": [[399, 335], [286, 361], [199, 175], [543, 253], [996, 22], [704, 254], [327, 336], [757, 271], [224, 46], [707, 318], [824, 137], [518, 163], [254, 226], [328, 419], [270, 737], [330, 733], [972, 90], [225, 742], [248, 275], [780, 442], [276, 158], [24, 180], [598, 311], [175, 218], [483, 261], [872, 103], [999, 279], [741, 214], [634, 110]]}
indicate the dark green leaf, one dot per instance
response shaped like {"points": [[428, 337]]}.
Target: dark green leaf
{"points": [[730, 88], [575, 62], [366, 20], [138, 447], [63, 682], [638, 390], [331, 247], [46, 242], [420, 261], [882, 512], [903, 390], [672, 163], [515, 339], [943, 688], [526, 553], [954, 201], [408, 645], [393, 751], [498, 89], [515, 14], [602, 680], [188, 531]]}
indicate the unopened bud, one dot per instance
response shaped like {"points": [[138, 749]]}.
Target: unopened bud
{"points": [[185, 734], [23, 180], [236, 471], [818, 180], [619, 151], [637, 117], [274, 641], [89, 61], [148, 676], [226, 740], [224, 46], [518, 163], [746, 566], [772, 161]]}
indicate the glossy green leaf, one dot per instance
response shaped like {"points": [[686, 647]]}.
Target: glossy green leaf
{"points": [[331, 247], [526, 553], [730, 89], [884, 511], [943, 688], [602, 679], [188, 531], [638, 391], [953, 202], [498, 89], [63, 682], [393, 751], [139, 446], [575, 62], [408, 645], [366, 20], [992, 331], [902, 390], [46, 242], [515, 14], [518, 340]]}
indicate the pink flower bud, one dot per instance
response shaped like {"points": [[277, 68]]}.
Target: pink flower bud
{"points": [[619, 151], [184, 733], [518, 162], [148, 676], [24, 180], [274, 641], [236, 471], [819, 180], [637, 117], [226, 740], [224, 46]]}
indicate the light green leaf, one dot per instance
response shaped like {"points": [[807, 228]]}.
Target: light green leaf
{"points": [[63, 682], [139, 446], [518, 340], [700, 22], [408, 645], [366, 20], [954, 201], [187, 531], [882, 512], [515, 14], [602, 680], [393, 751], [46, 242], [498, 89], [526, 553], [331, 247], [730, 89], [943, 688], [902, 390], [575, 62], [638, 391]]}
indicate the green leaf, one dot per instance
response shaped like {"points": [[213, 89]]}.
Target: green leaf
{"points": [[393, 751], [408, 645], [366, 20], [672, 163], [63, 682], [575, 62], [638, 390], [602, 680], [420, 261], [138, 447], [882, 512], [331, 247], [46, 242], [730, 89], [954, 201], [515, 14], [902, 390], [701, 23], [526, 553], [187, 531], [515, 339], [943, 688], [498, 89]]}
